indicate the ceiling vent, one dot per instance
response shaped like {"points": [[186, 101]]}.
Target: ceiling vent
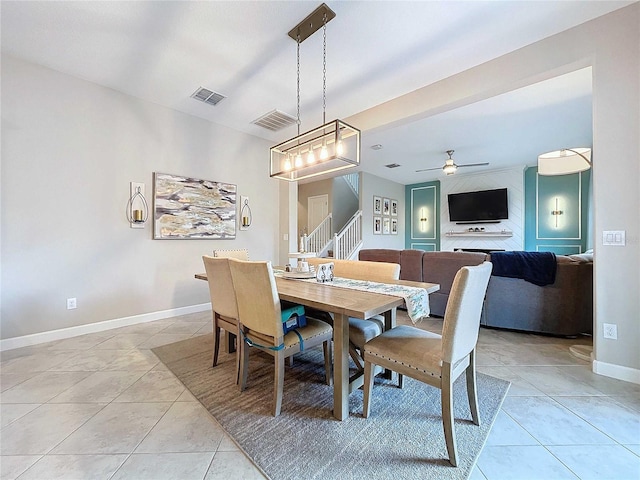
{"points": [[275, 120], [208, 96], [392, 165]]}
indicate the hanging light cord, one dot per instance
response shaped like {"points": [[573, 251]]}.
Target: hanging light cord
{"points": [[324, 69], [298, 66]]}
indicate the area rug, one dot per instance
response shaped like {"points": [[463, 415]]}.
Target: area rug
{"points": [[401, 439]]}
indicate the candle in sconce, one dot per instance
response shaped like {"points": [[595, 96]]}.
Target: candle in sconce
{"points": [[137, 215], [245, 221]]}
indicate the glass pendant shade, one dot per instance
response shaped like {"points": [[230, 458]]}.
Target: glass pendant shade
{"points": [[564, 162], [337, 142]]}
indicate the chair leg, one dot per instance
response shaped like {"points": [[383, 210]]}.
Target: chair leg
{"points": [[278, 382], [400, 380], [472, 392], [446, 395], [368, 387], [291, 361], [326, 347], [216, 339], [244, 364]]}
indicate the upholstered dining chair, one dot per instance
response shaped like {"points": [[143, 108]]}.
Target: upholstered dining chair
{"points": [[360, 330], [434, 359], [260, 325], [239, 253], [223, 302]]}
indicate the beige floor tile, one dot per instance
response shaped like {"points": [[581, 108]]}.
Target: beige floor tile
{"points": [[618, 422], [11, 466], [183, 327], [227, 465], [521, 463], [38, 362], [165, 466], [123, 341], [163, 339], [519, 386], [134, 360], [186, 427], [70, 467], [206, 328], [629, 401], [42, 429], [557, 380], [633, 448], [10, 380], [476, 474], [98, 387], [148, 328], [204, 316], [43, 387], [599, 462], [153, 386], [10, 412], [83, 342], [227, 444], [89, 361], [118, 428], [506, 431], [552, 424], [186, 396]]}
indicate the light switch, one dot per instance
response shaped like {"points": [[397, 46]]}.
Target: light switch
{"points": [[614, 238]]}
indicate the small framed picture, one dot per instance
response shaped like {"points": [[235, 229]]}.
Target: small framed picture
{"points": [[394, 226], [377, 225], [386, 226], [386, 206], [377, 205], [394, 208]]}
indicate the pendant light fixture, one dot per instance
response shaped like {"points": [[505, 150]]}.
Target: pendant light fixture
{"points": [[330, 147]]}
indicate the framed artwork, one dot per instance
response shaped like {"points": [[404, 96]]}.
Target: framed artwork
{"points": [[377, 205], [191, 208], [377, 225], [394, 208], [394, 226], [386, 226], [386, 206]]}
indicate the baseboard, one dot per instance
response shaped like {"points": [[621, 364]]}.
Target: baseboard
{"points": [[617, 371], [61, 334]]}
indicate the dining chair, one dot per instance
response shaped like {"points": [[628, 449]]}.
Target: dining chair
{"points": [[360, 330], [260, 325], [239, 253], [437, 359], [223, 302]]}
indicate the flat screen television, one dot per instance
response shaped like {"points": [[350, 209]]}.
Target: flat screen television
{"points": [[485, 206]]}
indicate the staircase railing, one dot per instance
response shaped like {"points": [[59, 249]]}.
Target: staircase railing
{"points": [[318, 240], [349, 239], [353, 180]]}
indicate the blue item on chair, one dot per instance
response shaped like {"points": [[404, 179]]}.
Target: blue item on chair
{"points": [[293, 318]]}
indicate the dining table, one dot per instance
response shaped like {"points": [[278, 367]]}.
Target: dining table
{"points": [[343, 303]]}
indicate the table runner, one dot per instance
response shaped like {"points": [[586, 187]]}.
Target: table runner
{"points": [[415, 298]]}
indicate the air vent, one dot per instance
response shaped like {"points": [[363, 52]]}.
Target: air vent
{"points": [[392, 165], [208, 96], [377, 146], [275, 120]]}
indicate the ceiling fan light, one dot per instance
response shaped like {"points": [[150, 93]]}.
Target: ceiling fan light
{"points": [[449, 168]]}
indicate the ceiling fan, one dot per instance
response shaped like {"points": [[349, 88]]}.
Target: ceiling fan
{"points": [[450, 167]]}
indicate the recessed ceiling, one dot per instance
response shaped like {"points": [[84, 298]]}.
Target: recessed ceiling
{"points": [[376, 51]]}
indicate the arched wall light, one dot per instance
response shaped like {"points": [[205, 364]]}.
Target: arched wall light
{"points": [[557, 212], [246, 217], [137, 210], [565, 161], [329, 148]]}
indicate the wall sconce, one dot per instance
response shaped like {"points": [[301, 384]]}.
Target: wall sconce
{"points": [[423, 219], [557, 212], [137, 210], [245, 213]]}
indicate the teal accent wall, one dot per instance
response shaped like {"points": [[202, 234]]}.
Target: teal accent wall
{"points": [[422, 201], [556, 212]]}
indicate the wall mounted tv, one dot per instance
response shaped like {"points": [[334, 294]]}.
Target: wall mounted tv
{"points": [[486, 206]]}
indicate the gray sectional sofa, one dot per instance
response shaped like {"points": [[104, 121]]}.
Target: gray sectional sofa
{"points": [[563, 308]]}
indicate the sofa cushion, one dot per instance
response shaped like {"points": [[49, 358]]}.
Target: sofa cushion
{"points": [[380, 255], [411, 265], [441, 267]]}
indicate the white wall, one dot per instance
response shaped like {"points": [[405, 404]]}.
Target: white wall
{"points": [[611, 45], [371, 185], [513, 180], [69, 150]]}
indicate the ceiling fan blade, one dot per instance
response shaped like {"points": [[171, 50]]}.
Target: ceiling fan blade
{"points": [[427, 169], [474, 164]]}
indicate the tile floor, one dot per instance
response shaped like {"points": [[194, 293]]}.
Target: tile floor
{"points": [[102, 406]]}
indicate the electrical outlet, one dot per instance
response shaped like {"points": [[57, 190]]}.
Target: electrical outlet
{"points": [[71, 303], [610, 331]]}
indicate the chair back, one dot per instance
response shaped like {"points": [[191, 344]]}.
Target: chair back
{"points": [[462, 316], [223, 298], [239, 253], [257, 297], [361, 269]]}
